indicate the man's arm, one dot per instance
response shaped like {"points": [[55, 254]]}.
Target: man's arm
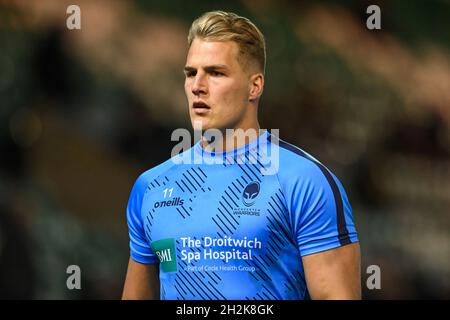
{"points": [[334, 274], [141, 282]]}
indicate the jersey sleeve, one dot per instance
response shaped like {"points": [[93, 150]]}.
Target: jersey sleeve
{"points": [[140, 249], [320, 212]]}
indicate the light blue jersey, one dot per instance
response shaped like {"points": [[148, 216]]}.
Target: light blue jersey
{"points": [[224, 228]]}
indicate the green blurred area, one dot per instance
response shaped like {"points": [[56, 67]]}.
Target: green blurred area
{"points": [[83, 112]]}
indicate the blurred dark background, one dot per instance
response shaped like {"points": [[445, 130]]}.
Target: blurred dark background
{"points": [[83, 112]]}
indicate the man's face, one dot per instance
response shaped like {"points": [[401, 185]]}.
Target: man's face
{"points": [[216, 85]]}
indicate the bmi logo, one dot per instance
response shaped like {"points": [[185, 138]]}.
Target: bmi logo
{"points": [[165, 250], [250, 193]]}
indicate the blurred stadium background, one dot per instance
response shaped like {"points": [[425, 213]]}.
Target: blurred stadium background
{"points": [[82, 113]]}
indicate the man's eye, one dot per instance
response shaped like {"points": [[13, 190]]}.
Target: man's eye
{"points": [[217, 73], [190, 74]]}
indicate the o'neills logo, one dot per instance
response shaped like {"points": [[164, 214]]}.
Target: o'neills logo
{"points": [[174, 202]]}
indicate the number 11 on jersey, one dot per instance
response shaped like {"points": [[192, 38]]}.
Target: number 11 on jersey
{"points": [[167, 190]]}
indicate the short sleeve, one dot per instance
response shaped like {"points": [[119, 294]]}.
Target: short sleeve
{"points": [[140, 249], [320, 213]]}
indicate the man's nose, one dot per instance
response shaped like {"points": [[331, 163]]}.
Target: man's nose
{"points": [[199, 86]]}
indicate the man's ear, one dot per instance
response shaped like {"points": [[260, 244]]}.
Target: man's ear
{"points": [[256, 86]]}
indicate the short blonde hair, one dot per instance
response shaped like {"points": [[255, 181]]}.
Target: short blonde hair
{"points": [[228, 26]]}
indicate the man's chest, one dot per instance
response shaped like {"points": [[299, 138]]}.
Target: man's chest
{"points": [[216, 202]]}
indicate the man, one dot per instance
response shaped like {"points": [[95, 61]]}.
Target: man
{"points": [[226, 228]]}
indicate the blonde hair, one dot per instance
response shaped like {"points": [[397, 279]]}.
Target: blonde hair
{"points": [[228, 26]]}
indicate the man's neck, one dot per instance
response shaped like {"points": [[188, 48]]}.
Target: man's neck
{"points": [[230, 139]]}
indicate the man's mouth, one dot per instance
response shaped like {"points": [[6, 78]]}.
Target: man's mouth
{"points": [[200, 107]]}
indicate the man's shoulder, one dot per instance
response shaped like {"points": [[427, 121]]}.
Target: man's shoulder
{"points": [[156, 173], [301, 172], [294, 162]]}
